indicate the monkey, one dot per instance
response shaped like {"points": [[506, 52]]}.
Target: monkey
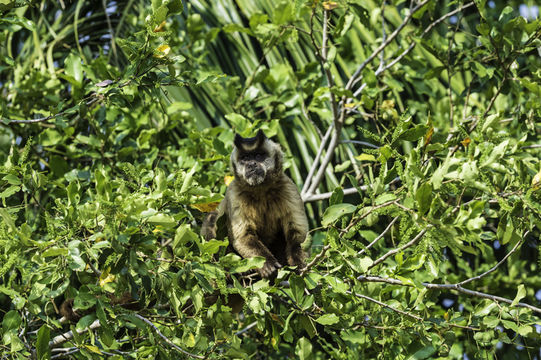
{"points": [[264, 211]]}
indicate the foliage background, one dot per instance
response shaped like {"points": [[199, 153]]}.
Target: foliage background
{"points": [[411, 128]]}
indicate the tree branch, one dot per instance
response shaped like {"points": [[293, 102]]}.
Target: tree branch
{"points": [[313, 168], [498, 264], [317, 197], [455, 287], [403, 247], [57, 340], [315, 260], [240, 332], [167, 339]]}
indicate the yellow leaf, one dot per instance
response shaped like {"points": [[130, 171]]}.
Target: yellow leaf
{"points": [[160, 27], [158, 229], [94, 349], [536, 181], [228, 179], [106, 277], [330, 5], [466, 142], [190, 341], [365, 157], [428, 135], [206, 207], [387, 104], [162, 51]]}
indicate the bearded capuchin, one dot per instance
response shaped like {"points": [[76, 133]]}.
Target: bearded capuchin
{"points": [[265, 212]]}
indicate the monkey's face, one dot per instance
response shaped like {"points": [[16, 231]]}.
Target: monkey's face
{"points": [[255, 160], [253, 166]]}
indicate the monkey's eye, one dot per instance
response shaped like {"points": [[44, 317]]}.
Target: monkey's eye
{"points": [[259, 156]]}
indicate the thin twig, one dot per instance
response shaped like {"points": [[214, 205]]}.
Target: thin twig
{"points": [[372, 209], [57, 356], [384, 44], [379, 71], [93, 99], [111, 31], [403, 247], [382, 304], [498, 264], [167, 339], [364, 143], [379, 237], [315, 260], [240, 332]]}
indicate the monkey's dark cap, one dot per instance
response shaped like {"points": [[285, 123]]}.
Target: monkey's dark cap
{"points": [[248, 144]]}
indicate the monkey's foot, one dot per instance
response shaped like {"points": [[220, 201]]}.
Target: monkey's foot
{"points": [[269, 268]]}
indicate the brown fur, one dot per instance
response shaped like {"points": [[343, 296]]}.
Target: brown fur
{"points": [[264, 219]]}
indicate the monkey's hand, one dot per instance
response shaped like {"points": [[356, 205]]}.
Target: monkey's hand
{"points": [[270, 266]]}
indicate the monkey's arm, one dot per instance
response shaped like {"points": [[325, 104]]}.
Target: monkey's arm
{"points": [[295, 225], [245, 241]]}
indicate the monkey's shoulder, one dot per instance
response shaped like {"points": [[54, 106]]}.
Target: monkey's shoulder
{"points": [[278, 198]]}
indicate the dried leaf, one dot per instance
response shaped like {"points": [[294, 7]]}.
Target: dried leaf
{"points": [[536, 181], [160, 27], [428, 135], [104, 83], [162, 51], [228, 179], [206, 207], [330, 5]]}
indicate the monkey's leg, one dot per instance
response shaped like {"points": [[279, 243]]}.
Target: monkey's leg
{"points": [[295, 236], [247, 244]]}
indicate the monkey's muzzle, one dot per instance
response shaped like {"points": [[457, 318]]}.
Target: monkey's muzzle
{"points": [[254, 174]]}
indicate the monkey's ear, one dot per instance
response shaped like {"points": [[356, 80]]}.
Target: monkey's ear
{"points": [[260, 138], [278, 158], [238, 141]]}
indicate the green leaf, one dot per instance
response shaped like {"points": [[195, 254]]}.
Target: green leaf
{"points": [[12, 179], [521, 293], [491, 321], [424, 196], [74, 68], [10, 191], [303, 349], [413, 134], [42, 343], [49, 137], [423, 353], [163, 220], [55, 251], [211, 247], [12, 320], [333, 213], [328, 319]]}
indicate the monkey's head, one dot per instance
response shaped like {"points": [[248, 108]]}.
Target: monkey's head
{"points": [[257, 160]]}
